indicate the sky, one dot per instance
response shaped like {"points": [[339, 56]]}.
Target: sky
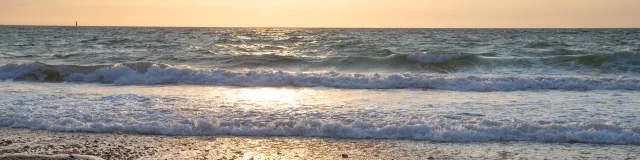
{"points": [[326, 13]]}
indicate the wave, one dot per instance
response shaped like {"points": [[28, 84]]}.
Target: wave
{"points": [[45, 72], [545, 44], [482, 130], [562, 60], [148, 73], [435, 62], [439, 62], [430, 58], [118, 41], [620, 61], [14, 55], [94, 39], [422, 58], [66, 55], [562, 52]]}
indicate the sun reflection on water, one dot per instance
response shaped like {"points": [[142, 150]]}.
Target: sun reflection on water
{"points": [[269, 95]]}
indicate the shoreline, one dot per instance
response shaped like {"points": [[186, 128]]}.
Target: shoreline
{"points": [[27, 144]]}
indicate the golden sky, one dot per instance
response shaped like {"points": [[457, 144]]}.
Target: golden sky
{"points": [[327, 13]]}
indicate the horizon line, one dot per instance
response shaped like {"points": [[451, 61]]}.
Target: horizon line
{"points": [[328, 27]]}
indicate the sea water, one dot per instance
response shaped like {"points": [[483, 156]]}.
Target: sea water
{"points": [[440, 85]]}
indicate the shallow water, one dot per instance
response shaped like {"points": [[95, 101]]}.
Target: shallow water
{"points": [[128, 146], [608, 117]]}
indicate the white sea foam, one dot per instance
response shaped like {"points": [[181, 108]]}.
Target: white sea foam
{"points": [[441, 131], [12, 71], [446, 116], [123, 74]]}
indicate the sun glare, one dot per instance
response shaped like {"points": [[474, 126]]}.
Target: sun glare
{"points": [[268, 95]]}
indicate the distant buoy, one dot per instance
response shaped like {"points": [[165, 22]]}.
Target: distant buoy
{"points": [[76, 23]]}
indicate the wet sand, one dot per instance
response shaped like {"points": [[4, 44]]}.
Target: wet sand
{"points": [[34, 144]]}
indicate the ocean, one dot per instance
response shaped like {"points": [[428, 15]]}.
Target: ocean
{"points": [[433, 85]]}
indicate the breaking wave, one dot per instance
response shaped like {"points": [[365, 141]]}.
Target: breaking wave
{"points": [[438, 62], [390, 61], [438, 131], [148, 73]]}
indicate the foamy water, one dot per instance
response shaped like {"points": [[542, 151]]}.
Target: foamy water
{"points": [[447, 116]]}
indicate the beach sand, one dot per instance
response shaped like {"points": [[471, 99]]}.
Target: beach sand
{"points": [[35, 144]]}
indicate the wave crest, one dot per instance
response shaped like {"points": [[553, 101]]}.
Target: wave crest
{"points": [[392, 62], [429, 58], [148, 73], [438, 131]]}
